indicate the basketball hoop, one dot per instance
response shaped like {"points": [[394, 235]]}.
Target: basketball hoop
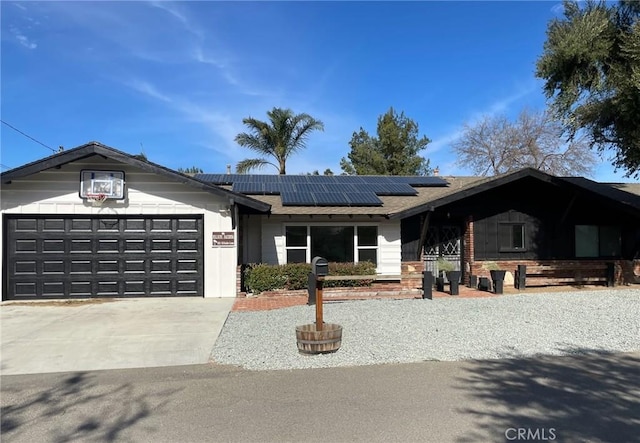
{"points": [[96, 199]]}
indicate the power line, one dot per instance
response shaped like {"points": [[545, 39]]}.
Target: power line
{"points": [[5, 166], [28, 136]]}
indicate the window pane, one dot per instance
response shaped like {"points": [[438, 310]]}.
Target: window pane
{"points": [[504, 236], [335, 243], [610, 245], [586, 241], [367, 236], [296, 235], [517, 240], [368, 255], [296, 256]]}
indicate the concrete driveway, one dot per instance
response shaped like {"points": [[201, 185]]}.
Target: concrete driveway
{"points": [[39, 337]]}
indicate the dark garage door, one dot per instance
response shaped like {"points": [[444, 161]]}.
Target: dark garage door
{"points": [[96, 256]]}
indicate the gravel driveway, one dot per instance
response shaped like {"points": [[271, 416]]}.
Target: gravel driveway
{"points": [[401, 331]]}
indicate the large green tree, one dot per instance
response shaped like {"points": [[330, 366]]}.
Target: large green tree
{"points": [[283, 135], [591, 68], [395, 151]]}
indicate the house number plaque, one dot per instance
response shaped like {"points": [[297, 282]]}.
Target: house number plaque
{"points": [[222, 239]]}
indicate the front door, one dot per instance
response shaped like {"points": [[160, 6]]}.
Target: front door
{"points": [[442, 242]]}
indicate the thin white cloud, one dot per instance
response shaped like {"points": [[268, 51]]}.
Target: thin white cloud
{"points": [[444, 140], [149, 90], [23, 39], [178, 15]]}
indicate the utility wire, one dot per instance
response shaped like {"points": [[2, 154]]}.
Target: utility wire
{"points": [[5, 166], [28, 136]]}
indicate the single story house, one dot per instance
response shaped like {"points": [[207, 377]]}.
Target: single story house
{"points": [[526, 217], [95, 221]]}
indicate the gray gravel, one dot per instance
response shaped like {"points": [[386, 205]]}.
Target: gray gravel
{"points": [[402, 331]]}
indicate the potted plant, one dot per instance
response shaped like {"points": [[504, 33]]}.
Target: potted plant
{"points": [[497, 276], [449, 269]]}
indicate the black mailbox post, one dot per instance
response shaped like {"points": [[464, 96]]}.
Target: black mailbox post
{"points": [[311, 288], [320, 266]]}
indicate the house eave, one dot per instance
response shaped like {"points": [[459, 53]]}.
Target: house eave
{"points": [[94, 148]]}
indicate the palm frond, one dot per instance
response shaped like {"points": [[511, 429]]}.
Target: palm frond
{"points": [[246, 165], [284, 134]]}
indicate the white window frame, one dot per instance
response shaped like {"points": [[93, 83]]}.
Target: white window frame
{"points": [[356, 248]]}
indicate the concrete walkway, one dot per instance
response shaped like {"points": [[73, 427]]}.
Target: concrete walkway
{"points": [[60, 336]]}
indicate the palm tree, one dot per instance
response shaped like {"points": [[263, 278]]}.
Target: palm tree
{"points": [[285, 134]]}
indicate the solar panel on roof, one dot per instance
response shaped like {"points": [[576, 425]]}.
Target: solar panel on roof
{"points": [[382, 179], [325, 179], [363, 199], [387, 189], [331, 199], [297, 199], [248, 188], [342, 187], [310, 187], [219, 179], [426, 181], [294, 179], [392, 189], [348, 179], [272, 187]]}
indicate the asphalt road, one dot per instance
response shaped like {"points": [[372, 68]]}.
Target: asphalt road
{"points": [[593, 397]]}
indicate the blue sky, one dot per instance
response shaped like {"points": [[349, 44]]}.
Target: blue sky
{"points": [[175, 79]]}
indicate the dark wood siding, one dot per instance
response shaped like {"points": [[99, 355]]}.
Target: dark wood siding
{"points": [[410, 229], [550, 214], [489, 237]]}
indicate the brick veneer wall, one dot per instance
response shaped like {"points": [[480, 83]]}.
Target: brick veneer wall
{"points": [[468, 251], [478, 267]]}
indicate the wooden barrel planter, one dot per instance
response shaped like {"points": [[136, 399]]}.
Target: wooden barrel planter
{"points": [[312, 341]]}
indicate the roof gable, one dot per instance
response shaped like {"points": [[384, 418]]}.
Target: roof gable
{"points": [[626, 199], [95, 148]]}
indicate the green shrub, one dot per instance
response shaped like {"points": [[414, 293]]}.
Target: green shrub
{"points": [[262, 277], [361, 268]]}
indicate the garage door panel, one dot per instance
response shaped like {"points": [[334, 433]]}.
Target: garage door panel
{"points": [[81, 288], [187, 225], [57, 257], [25, 246], [108, 266], [160, 287], [26, 225], [50, 246], [80, 225], [53, 289], [53, 267], [80, 267], [53, 225], [25, 267]]}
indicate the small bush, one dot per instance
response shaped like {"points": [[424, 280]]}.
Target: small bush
{"points": [[361, 268], [261, 277], [292, 276]]}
